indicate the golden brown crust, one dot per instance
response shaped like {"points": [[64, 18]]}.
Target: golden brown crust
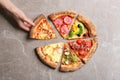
{"points": [[71, 67], [53, 16], [88, 24], [92, 50], [36, 22], [44, 58]]}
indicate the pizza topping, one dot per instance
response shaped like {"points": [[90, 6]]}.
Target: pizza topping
{"points": [[67, 61], [71, 33], [77, 29], [66, 53], [73, 58], [64, 29], [79, 41], [58, 22], [68, 20], [82, 53], [88, 43]]}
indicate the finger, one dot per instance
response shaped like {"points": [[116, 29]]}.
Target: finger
{"points": [[26, 24], [21, 24], [28, 21]]}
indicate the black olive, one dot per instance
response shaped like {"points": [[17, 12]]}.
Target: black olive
{"points": [[84, 34], [79, 25], [78, 35]]}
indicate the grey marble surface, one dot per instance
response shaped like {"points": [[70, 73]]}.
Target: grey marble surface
{"points": [[18, 60]]}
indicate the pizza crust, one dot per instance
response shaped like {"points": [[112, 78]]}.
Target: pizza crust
{"points": [[46, 60], [53, 16], [92, 50], [88, 24], [71, 67], [36, 22]]}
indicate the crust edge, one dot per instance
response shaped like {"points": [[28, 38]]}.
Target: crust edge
{"points": [[42, 57]]}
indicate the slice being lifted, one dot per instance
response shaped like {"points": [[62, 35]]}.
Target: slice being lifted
{"points": [[82, 28], [84, 49], [70, 61], [42, 29], [50, 54], [63, 21]]}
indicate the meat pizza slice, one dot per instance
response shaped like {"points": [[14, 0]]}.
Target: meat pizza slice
{"points": [[42, 29], [63, 21], [82, 28], [50, 54], [84, 49]]}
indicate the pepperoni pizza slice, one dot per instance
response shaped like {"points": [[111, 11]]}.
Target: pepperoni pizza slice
{"points": [[84, 48], [50, 54], [70, 61], [42, 29], [63, 21], [82, 28]]}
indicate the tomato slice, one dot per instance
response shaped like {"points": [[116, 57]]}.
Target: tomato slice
{"points": [[68, 20], [58, 22], [82, 53], [79, 41]]}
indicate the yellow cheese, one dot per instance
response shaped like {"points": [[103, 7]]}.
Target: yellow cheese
{"points": [[54, 54]]}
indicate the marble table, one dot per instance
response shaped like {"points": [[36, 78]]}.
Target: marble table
{"points": [[18, 60]]}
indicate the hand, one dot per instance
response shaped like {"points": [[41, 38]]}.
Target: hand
{"points": [[24, 22]]}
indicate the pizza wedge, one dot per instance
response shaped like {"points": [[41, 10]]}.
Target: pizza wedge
{"points": [[63, 21], [50, 54], [42, 29], [84, 49], [82, 28]]}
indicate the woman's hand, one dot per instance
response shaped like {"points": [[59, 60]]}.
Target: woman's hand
{"points": [[23, 21]]}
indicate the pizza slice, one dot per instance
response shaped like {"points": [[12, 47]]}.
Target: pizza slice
{"points": [[50, 54], [63, 21], [82, 28], [84, 48], [42, 29], [70, 61]]}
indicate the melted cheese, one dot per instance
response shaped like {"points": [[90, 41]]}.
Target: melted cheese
{"points": [[53, 54]]}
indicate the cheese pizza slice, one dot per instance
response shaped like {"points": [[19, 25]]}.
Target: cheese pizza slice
{"points": [[84, 49], [70, 61], [63, 21], [50, 54], [42, 29], [82, 28]]}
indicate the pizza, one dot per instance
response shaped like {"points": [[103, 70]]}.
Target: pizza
{"points": [[71, 55], [84, 49], [63, 21], [42, 29], [82, 28], [50, 54], [70, 61]]}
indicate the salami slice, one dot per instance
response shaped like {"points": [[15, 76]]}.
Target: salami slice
{"points": [[64, 29], [58, 22], [68, 20]]}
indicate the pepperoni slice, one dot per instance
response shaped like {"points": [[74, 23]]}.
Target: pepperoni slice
{"points": [[64, 29], [67, 20], [58, 22]]}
